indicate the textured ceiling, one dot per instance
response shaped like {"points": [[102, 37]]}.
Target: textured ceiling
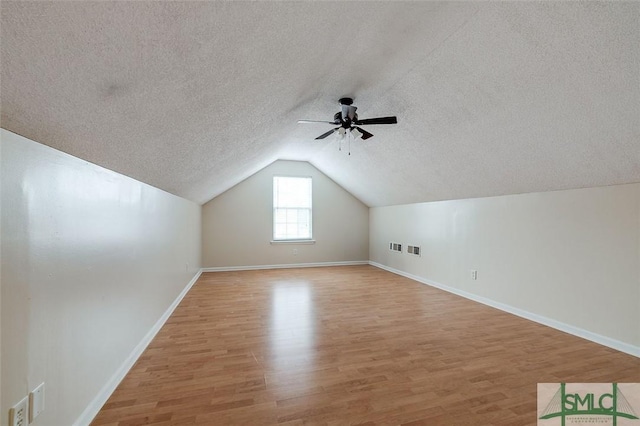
{"points": [[193, 97]]}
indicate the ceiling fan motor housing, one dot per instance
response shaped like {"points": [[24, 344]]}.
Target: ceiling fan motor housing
{"points": [[347, 114], [345, 122]]}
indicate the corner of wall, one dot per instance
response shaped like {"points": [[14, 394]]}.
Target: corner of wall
{"points": [[237, 225]]}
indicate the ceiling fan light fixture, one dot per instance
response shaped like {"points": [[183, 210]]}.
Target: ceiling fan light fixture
{"points": [[346, 118]]}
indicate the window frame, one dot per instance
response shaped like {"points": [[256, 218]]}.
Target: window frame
{"points": [[275, 240]]}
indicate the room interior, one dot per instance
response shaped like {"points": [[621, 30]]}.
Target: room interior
{"points": [[139, 141]]}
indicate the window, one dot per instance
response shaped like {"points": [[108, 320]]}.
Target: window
{"points": [[291, 208]]}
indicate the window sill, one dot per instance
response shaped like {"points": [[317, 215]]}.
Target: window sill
{"points": [[293, 241]]}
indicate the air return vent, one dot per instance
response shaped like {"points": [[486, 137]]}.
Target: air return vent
{"points": [[395, 247], [414, 250]]}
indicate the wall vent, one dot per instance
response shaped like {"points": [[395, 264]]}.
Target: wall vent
{"points": [[395, 247], [414, 250]]}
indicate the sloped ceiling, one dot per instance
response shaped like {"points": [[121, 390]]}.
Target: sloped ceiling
{"points": [[193, 97]]}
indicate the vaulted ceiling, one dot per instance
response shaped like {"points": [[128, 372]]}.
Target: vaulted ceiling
{"points": [[193, 97]]}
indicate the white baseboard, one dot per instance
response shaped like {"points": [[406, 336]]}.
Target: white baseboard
{"points": [[96, 404], [576, 331], [284, 266]]}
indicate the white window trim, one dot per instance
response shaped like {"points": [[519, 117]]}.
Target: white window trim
{"points": [[293, 242], [273, 208]]}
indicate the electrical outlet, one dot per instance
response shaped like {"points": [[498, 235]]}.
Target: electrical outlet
{"points": [[295, 252], [474, 274], [36, 402], [18, 413]]}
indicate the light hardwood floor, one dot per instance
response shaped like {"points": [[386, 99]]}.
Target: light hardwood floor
{"points": [[347, 345]]}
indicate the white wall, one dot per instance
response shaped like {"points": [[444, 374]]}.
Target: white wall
{"points": [[1, 381], [90, 261], [237, 225], [569, 256]]}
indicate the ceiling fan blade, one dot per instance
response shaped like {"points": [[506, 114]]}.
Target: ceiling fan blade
{"points": [[379, 120], [314, 121], [365, 134], [324, 135]]}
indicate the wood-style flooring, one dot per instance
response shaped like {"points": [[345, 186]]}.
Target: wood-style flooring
{"points": [[347, 345]]}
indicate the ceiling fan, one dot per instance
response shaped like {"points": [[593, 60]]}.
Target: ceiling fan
{"points": [[347, 120]]}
